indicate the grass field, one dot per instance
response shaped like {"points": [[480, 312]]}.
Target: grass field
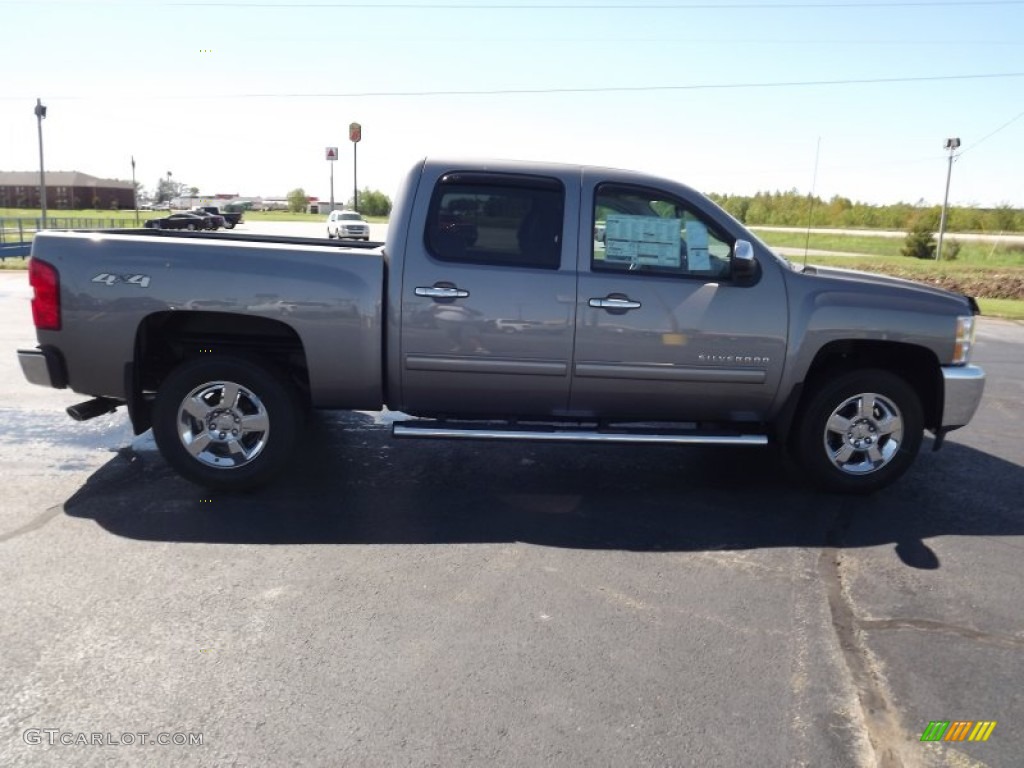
{"points": [[987, 254], [105, 215], [315, 217], [919, 269], [1011, 309]]}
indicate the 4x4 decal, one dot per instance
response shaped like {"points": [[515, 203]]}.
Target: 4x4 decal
{"points": [[108, 279]]}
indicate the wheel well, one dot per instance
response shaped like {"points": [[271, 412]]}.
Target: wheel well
{"points": [[916, 365], [167, 339]]}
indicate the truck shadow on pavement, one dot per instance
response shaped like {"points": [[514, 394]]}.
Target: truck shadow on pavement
{"points": [[352, 483]]}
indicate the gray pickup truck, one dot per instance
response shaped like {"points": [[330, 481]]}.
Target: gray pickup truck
{"points": [[518, 301]]}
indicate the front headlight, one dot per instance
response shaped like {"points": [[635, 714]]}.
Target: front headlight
{"points": [[964, 339]]}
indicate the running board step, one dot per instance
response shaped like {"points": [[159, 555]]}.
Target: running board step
{"points": [[570, 435]]}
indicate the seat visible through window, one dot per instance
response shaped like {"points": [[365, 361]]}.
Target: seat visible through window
{"points": [[540, 233]]}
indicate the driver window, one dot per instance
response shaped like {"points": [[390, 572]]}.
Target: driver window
{"points": [[641, 230]]}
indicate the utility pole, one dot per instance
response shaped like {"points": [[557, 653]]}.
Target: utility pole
{"points": [[40, 116], [951, 145], [135, 193]]}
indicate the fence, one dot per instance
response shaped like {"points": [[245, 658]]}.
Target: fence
{"points": [[16, 234]]}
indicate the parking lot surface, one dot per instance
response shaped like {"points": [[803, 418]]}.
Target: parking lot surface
{"points": [[462, 603]]}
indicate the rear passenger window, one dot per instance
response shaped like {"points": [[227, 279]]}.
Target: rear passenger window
{"points": [[497, 219]]}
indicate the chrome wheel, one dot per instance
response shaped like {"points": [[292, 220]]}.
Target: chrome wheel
{"points": [[223, 424], [864, 433], [212, 420], [859, 431]]}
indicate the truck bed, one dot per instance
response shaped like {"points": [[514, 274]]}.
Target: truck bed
{"points": [[116, 285]]}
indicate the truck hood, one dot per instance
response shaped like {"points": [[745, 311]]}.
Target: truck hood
{"points": [[871, 278]]}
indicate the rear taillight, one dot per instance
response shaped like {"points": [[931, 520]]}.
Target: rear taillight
{"points": [[45, 283]]}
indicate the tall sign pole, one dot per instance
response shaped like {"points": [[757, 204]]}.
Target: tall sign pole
{"points": [[355, 133], [40, 115], [332, 156]]}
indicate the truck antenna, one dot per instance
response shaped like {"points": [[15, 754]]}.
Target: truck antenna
{"points": [[810, 201]]}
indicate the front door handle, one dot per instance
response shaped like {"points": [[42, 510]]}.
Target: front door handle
{"points": [[441, 292], [614, 302]]}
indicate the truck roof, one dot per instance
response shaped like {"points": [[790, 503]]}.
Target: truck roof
{"points": [[540, 167]]}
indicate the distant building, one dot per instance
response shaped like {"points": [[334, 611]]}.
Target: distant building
{"points": [[65, 190]]}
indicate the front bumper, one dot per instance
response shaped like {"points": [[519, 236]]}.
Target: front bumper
{"points": [[44, 366], [962, 389]]}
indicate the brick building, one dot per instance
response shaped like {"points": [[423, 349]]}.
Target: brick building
{"points": [[65, 190]]}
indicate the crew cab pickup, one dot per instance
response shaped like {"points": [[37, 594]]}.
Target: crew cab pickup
{"points": [[517, 301], [231, 218]]}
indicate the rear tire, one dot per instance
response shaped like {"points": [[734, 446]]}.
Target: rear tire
{"points": [[190, 227], [226, 423], [859, 432]]}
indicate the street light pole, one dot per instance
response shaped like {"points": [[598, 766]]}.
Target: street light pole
{"points": [[40, 115], [135, 193], [951, 145]]}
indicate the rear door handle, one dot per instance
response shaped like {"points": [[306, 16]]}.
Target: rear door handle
{"points": [[439, 292], [614, 302]]}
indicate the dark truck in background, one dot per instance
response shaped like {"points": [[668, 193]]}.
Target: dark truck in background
{"points": [[516, 301], [231, 218]]}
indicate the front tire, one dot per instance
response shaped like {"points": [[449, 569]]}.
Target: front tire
{"points": [[859, 432], [225, 423]]}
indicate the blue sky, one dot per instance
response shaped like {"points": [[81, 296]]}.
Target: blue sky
{"points": [[245, 96]]}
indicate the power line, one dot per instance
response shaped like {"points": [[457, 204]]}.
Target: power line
{"points": [[676, 41], [627, 88], [710, 6], [547, 91], [990, 135], [609, 6]]}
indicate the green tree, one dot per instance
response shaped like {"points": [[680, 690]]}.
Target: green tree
{"points": [[793, 209], [167, 190], [920, 241], [1004, 218], [372, 202], [298, 200]]}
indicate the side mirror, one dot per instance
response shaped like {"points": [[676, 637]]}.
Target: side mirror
{"points": [[742, 264]]}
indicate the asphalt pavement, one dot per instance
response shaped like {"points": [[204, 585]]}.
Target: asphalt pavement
{"points": [[460, 603]]}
